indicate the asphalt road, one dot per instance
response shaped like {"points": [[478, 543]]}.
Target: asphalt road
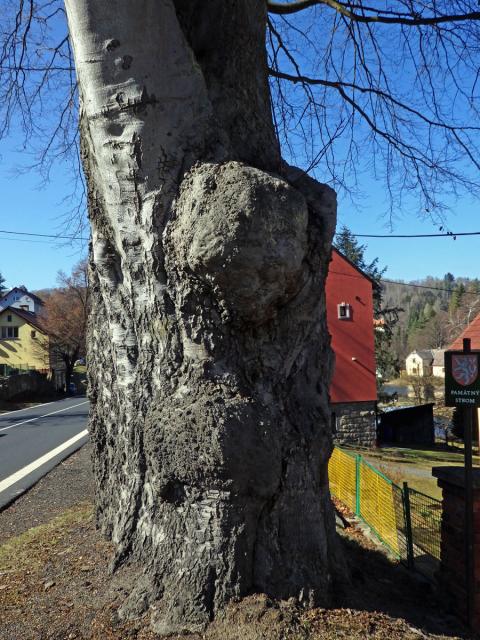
{"points": [[34, 440]]}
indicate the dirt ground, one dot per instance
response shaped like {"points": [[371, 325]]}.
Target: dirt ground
{"points": [[55, 582]]}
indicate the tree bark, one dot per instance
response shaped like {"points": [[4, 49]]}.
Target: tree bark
{"points": [[209, 357]]}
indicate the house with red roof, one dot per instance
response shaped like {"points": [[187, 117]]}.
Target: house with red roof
{"points": [[353, 389]]}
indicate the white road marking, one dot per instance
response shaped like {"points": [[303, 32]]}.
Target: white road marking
{"points": [[17, 424], [43, 404], [18, 475]]}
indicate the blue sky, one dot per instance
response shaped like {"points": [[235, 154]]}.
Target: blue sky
{"points": [[27, 206], [416, 258], [35, 262]]}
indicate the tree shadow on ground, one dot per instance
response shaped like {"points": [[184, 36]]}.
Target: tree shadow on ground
{"points": [[378, 583]]}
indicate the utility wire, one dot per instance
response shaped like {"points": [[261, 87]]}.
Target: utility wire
{"points": [[49, 242], [448, 234], [406, 284], [43, 235], [424, 286]]}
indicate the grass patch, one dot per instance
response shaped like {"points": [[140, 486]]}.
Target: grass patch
{"points": [[415, 465], [80, 368], [27, 550]]}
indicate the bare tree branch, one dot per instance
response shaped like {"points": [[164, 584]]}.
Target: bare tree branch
{"points": [[38, 94], [379, 16], [408, 94]]}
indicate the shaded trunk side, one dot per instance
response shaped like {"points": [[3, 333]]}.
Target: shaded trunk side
{"points": [[209, 355]]}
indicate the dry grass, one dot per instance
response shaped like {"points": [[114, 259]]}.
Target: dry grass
{"points": [[55, 584]]}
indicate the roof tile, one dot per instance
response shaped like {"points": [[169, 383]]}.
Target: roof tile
{"points": [[472, 332]]}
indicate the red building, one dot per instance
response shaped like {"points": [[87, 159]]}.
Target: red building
{"points": [[353, 390]]}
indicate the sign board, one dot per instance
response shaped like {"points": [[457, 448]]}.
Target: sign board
{"points": [[462, 379]]}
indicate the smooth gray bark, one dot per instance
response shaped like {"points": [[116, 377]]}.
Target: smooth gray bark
{"points": [[209, 353]]}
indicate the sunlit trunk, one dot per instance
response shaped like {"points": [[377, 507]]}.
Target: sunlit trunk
{"points": [[209, 356]]}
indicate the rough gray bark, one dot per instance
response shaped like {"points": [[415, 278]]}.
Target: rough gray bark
{"points": [[209, 353]]}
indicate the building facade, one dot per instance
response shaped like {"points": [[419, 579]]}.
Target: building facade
{"points": [[23, 344], [426, 362], [419, 363], [353, 389]]}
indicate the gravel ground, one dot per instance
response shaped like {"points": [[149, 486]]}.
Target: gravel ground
{"points": [[66, 485], [55, 582]]}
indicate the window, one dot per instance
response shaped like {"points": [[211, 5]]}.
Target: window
{"points": [[9, 318], [344, 311], [24, 306], [9, 332], [34, 334], [333, 423]]}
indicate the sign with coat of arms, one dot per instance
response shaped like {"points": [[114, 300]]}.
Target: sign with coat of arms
{"points": [[462, 379]]}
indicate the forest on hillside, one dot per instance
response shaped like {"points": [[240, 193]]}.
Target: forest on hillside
{"points": [[432, 312]]}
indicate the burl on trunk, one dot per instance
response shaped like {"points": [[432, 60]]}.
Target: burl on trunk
{"points": [[208, 348]]}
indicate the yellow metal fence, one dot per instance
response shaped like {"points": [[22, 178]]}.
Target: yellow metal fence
{"points": [[405, 520], [377, 505], [370, 495], [342, 472]]}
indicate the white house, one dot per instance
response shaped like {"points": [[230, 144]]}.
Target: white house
{"points": [[426, 362], [20, 298], [420, 363]]}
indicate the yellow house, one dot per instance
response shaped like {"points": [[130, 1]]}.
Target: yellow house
{"points": [[23, 344]]}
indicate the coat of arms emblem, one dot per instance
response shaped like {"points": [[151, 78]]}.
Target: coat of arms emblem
{"points": [[464, 369]]}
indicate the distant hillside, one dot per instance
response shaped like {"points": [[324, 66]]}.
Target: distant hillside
{"points": [[43, 293], [435, 311]]}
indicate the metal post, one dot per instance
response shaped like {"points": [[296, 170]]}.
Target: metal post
{"points": [[408, 525], [469, 566], [358, 461]]}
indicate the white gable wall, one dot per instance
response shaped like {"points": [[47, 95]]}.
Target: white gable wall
{"points": [[418, 366], [20, 300]]}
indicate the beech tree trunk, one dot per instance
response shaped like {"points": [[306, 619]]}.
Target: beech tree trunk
{"points": [[209, 356]]}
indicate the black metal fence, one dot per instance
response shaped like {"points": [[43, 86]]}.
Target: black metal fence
{"points": [[425, 518]]}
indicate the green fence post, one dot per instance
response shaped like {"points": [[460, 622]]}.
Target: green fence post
{"points": [[358, 461], [408, 525]]}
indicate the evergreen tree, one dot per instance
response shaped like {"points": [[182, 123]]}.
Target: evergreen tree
{"points": [[348, 245], [2, 285], [457, 298], [449, 280]]}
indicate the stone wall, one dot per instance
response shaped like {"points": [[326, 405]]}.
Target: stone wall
{"points": [[354, 423]]}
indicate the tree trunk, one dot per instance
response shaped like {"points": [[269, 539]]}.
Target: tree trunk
{"points": [[209, 355]]}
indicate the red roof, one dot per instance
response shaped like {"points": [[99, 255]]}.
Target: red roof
{"points": [[472, 332]]}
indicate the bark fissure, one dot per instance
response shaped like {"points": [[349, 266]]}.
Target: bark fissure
{"points": [[209, 354]]}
